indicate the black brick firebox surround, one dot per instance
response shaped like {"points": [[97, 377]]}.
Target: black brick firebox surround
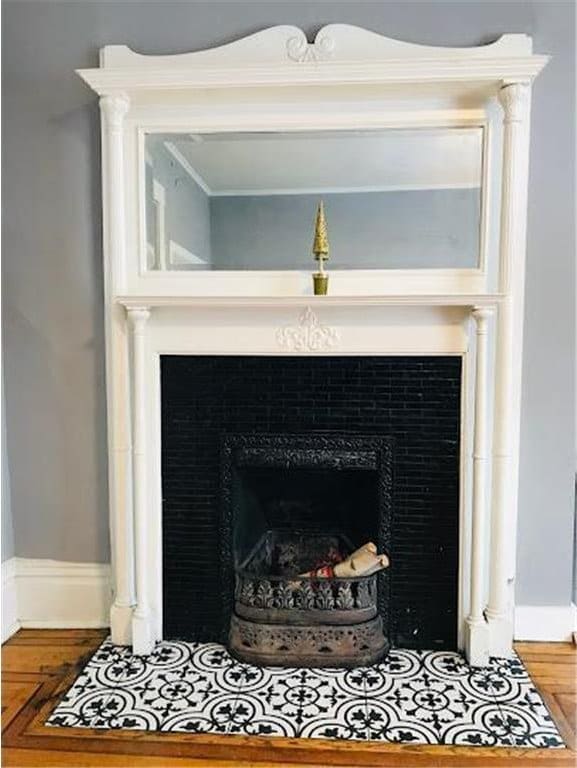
{"points": [[414, 400]]}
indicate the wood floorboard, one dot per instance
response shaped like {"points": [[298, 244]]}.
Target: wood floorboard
{"points": [[57, 759], [48, 658], [62, 642], [15, 695], [568, 704], [48, 635], [39, 665], [557, 649]]}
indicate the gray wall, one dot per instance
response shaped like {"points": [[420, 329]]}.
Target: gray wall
{"points": [[7, 524], [53, 274]]}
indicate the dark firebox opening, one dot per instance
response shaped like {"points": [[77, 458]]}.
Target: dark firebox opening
{"points": [[307, 500]]}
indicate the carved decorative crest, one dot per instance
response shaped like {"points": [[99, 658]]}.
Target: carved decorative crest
{"points": [[300, 50], [308, 336]]}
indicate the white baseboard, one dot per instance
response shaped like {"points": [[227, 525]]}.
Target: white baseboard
{"points": [[54, 594], [554, 623], [10, 623]]}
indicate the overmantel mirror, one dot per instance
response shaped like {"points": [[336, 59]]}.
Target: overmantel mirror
{"points": [[393, 199], [215, 165]]}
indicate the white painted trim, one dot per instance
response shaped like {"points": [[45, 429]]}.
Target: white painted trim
{"points": [[113, 111], [142, 638], [526, 68], [298, 283], [414, 300], [553, 623], [477, 635], [515, 100], [340, 53], [57, 594], [335, 42], [336, 114], [10, 623]]}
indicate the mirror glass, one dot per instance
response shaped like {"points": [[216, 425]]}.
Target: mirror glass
{"points": [[394, 199]]}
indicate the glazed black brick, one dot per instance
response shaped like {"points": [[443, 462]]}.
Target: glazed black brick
{"points": [[416, 400]]}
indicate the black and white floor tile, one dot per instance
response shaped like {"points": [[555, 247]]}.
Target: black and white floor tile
{"points": [[417, 697]]}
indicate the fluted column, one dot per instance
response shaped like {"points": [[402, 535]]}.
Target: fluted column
{"points": [[142, 641], [515, 100], [113, 110], [477, 631]]}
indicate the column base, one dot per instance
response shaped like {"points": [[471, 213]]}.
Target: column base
{"points": [[500, 635], [477, 643], [121, 624], [142, 640]]}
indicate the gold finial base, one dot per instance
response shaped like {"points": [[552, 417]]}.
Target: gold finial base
{"points": [[320, 283]]}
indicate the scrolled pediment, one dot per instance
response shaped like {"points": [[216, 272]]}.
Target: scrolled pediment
{"points": [[339, 53], [339, 42]]}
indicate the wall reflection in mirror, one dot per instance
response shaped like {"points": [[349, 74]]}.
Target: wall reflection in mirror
{"points": [[395, 199]]}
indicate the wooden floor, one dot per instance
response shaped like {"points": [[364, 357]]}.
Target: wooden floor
{"points": [[39, 665]]}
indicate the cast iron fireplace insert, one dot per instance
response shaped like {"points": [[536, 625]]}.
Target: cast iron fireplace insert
{"points": [[294, 490]]}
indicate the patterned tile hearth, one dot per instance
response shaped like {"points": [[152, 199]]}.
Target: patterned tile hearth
{"points": [[416, 697]]}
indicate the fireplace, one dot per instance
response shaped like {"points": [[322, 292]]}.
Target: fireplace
{"points": [[419, 304], [364, 447]]}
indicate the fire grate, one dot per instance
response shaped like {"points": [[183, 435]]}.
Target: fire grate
{"points": [[286, 619]]}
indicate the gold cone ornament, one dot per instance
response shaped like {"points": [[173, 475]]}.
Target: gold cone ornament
{"points": [[321, 252], [321, 241]]}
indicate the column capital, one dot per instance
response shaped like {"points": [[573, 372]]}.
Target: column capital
{"points": [[514, 98], [481, 316], [114, 107], [138, 317]]}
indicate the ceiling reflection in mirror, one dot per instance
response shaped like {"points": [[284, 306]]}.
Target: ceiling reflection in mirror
{"points": [[395, 199]]}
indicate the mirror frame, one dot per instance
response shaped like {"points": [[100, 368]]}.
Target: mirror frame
{"points": [[484, 211]]}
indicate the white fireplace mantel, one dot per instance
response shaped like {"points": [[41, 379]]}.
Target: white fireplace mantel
{"points": [[278, 80], [391, 300]]}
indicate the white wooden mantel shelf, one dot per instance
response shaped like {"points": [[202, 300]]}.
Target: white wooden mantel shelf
{"points": [[134, 302]]}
